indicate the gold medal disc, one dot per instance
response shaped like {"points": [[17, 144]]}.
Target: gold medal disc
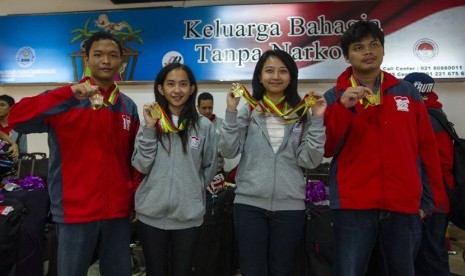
{"points": [[96, 101], [310, 100], [155, 112], [238, 91]]}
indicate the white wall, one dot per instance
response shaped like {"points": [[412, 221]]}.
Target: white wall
{"points": [[451, 94]]}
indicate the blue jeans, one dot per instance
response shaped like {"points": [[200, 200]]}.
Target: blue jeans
{"points": [[267, 240], [433, 258], [78, 242], [356, 232]]}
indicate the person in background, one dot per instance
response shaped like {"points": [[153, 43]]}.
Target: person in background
{"points": [[275, 138], [378, 132], [176, 150], [91, 130], [433, 258], [205, 108], [13, 150], [6, 102]]}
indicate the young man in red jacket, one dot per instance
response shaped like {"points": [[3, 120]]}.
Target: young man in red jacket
{"points": [[433, 258], [90, 180], [378, 133]]}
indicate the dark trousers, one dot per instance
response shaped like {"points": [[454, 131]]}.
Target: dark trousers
{"points": [[357, 231], [78, 242], [268, 240], [168, 252], [433, 258]]}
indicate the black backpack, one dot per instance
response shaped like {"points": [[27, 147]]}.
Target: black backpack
{"points": [[457, 195], [10, 224]]}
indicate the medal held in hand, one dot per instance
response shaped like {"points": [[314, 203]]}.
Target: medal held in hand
{"points": [[238, 91], [163, 120], [310, 100], [370, 99], [155, 112], [96, 101]]}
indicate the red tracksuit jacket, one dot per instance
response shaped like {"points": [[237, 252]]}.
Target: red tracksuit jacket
{"points": [[90, 174], [378, 151]]}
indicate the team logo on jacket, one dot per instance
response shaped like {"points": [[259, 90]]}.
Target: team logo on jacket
{"points": [[195, 142], [126, 122], [425, 49], [402, 103], [297, 128]]}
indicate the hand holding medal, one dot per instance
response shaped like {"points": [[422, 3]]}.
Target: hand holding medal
{"points": [[353, 95], [371, 98], [87, 89], [84, 90], [237, 90], [234, 96], [310, 99], [316, 102], [362, 94], [152, 114], [155, 112], [155, 116]]}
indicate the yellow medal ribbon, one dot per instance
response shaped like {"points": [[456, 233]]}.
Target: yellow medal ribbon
{"points": [[241, 91], [164, 123], [372, 99], [289, 116]]}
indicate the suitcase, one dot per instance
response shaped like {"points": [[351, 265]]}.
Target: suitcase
{"points": [[319, 240], [30, 260], [35, 163], [318, 249], [11, 216], [214, 255], [32, 231]]}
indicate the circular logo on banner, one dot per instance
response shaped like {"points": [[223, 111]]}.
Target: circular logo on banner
{"points": [[172, 57], [25, 56], [425, 49]]}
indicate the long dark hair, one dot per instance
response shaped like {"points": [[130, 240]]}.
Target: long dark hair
{"points": [[189, 115], [290, 93]]}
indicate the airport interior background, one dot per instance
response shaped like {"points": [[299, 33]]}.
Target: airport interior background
{"points": [[451, 91]]}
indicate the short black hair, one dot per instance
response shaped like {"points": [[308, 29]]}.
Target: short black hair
{"points": [[204, 96], [102, 36], [8, 99], [358, 31]]}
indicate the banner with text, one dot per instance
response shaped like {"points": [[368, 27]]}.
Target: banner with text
{"points": [[223, 43]]}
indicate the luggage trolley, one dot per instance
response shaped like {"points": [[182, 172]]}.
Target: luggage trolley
{"points": [[318, 229]]}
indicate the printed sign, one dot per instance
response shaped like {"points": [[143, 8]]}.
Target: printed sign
{"points": [[223, 43]]}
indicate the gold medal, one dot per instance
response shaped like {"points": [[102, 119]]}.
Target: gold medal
{"points": [[96, 101], [310, 100], [371, 98], [155, 112], [238, 91]]}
